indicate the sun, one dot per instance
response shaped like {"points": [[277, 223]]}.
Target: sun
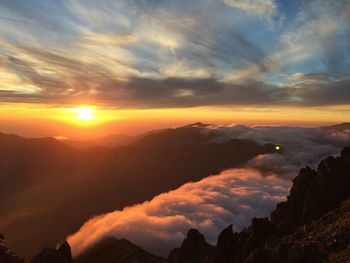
{"points": [[84, 114]]}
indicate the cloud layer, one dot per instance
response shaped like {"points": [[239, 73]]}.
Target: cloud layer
{"points": [[300, 146], [233, 197]]}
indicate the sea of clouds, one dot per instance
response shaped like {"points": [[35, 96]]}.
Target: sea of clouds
{"points": [[232, 197]]}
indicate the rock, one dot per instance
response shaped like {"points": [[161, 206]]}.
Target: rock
{"points": [[6, 255], [193, 249], [65, 250], [52, 255], [114, 250], [227, 246]]}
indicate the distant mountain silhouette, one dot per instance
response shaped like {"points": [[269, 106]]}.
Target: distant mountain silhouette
{"points": [[112, 140], [49, 189], [341, 126], [313, 225]]}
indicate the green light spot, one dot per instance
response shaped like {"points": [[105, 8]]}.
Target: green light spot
{"points": [[277, 148]]}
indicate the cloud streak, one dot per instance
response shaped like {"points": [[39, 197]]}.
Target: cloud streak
{"points": [[175, 54]]}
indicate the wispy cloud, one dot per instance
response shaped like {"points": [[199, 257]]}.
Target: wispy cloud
{"points": [[174, 54]]}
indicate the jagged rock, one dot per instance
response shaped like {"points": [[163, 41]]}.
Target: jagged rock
{"points": [[65, 250], [193, 249], [51, 255], [316, 192], [227, 246], [6, 255], [115, 250]]}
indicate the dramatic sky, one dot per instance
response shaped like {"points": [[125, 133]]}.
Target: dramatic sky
{"points": [[249, 61]]}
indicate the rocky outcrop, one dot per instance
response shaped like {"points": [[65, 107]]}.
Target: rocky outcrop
{"points": [[115, 250], [316, 192], [6, 255], [193, 249], [51, 255]]}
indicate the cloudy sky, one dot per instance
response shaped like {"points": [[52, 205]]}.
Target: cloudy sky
{"points": [[161, 54]]}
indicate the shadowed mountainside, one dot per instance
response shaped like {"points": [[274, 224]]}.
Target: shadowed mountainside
{"points": [[49, 189]]}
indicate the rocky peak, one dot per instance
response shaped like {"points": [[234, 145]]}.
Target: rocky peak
{"points": [[193, 249], [65, 250], [316, 192], [115, 250], [61, 255]]}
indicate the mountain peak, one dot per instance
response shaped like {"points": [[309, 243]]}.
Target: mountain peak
{"points": [[61, 255], [196, 125]]}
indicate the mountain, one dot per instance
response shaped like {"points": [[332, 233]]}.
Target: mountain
{"points": [[48, 189], [313, 225], [341, 126], [51, 255], [112, 140]]}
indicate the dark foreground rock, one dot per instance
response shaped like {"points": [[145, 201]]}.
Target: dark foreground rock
{"points": [[112, 250], [50, 255], [6, 255], [193, 249]]}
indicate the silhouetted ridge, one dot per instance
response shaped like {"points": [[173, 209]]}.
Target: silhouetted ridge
{"points": [[193, 249], [114, 250], [316, 192], [50, 255]]}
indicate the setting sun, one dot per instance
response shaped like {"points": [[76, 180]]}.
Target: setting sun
{"points": [[84, 114]]}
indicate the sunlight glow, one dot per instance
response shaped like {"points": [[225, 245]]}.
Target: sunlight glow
{"points": [[84, 114]]}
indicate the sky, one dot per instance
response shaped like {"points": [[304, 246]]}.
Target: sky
{"points": [[146, 63]]}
